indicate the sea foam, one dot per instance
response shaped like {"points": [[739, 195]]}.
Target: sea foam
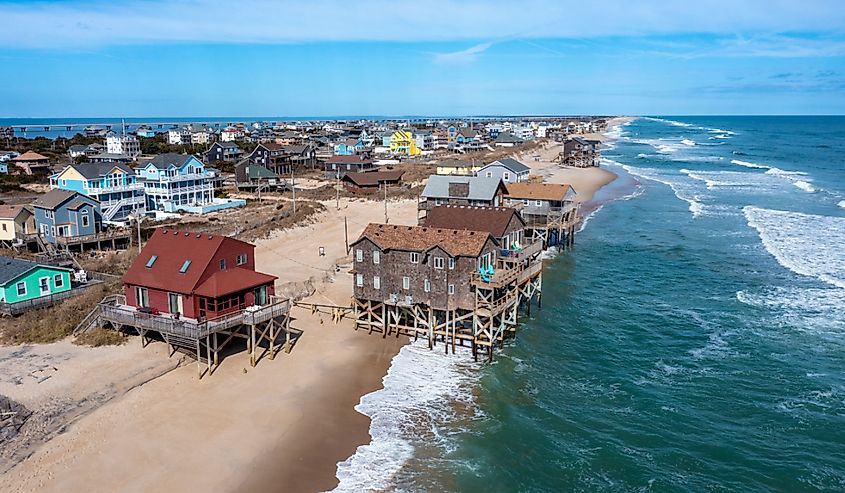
{"points": [[749, 164], [681, 190], [806, 244], [419, 390]]}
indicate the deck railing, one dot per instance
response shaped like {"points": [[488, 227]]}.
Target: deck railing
{"points": [[116, 311], [51, 299], [101, 236], [528, 250]]}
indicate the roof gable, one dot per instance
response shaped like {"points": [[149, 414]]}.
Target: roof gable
{"points": [[539, 191], [480, 187], [421, 239], [494, 220], [172, 249], [511, 164]]}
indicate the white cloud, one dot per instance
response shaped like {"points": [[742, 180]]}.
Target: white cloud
{"points": [[463, 56], [53, 23]]}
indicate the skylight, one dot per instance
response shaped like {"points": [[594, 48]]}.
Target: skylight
{"points": [[151, 261], [185, 266]]}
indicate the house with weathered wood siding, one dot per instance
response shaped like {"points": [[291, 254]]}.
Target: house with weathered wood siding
{"points": [[420, 265], [460, 190], [504, 223]]}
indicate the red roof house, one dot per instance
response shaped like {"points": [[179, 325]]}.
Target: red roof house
{"points": [[197, 276]]}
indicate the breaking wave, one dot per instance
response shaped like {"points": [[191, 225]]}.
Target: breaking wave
{"points": [[420, 389], [806, 244]]}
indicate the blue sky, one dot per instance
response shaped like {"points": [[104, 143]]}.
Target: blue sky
{"points": [[140, 58]]}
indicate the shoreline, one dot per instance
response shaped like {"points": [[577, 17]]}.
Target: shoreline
{"points": [[297, 412], [302, 420], [589, 181]]}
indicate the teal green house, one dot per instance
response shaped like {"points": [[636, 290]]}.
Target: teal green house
{"points": [[22, 280]]}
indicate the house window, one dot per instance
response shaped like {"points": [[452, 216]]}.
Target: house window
{"points": [[4, 227], [222, 264], [376, 257], [151, 261], [525, 201], [359, 280], [507, 176], [85, 219], [21, 288], [438, 262], [406, 283], [451, 289], [538, 203], [451, 263], [489, 174], [415, 258], [241, 260], [58, 281], [359, 255], [376, 282], [185, 266], [427, 285]]}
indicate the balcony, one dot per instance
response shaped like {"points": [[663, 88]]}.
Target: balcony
{"points": [[207, 175], [528, 251], [114, 310], [501, 277], [129, 187]]}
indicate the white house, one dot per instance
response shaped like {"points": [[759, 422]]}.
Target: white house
{"points": [[127, 145], [178, 136]]}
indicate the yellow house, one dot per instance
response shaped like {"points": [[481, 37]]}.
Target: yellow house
{"points": [[403, 142], [16, 221], [459, 168]]}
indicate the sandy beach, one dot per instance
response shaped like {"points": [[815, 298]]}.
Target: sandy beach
{"points": [[285, 422], [132, 419]]}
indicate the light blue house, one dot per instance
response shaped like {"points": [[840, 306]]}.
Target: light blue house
{"points": [[66, 214], [114, 185], [507, 169], [347, 148], [181, 182]]}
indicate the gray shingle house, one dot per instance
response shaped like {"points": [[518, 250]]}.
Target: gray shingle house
{"points": [[460, 190], [507, 169], [66, 214]]}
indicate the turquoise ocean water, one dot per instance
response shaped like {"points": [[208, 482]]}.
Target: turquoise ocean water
{"points": [[693, 340]]}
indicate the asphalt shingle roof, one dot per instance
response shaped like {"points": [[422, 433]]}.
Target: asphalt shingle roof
{"points": [[480, 187]]}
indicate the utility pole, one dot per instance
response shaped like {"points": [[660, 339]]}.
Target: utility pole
{"points": [[346, 234], [337, 190], [138, 222], [293, 188]]}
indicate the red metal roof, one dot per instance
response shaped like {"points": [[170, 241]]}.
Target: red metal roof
{"points": [[172, 249], [230, 281]]}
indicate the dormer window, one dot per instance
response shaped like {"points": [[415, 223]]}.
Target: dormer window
{"points": [[222, 264]]}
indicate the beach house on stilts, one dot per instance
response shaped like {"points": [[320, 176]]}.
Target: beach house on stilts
{"points": [[446, 285], [549, 210], [198, 292]]}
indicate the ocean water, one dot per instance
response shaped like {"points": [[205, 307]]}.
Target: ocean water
{"points": [[693, 340]]}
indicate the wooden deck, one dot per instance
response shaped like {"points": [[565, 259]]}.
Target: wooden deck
{"points": [[257, 325]]}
